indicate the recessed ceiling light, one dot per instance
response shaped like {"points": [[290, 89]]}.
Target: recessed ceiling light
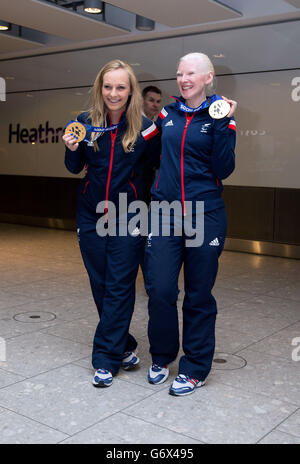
{"points": [[219, 55], [4, 26], [93, 6]]}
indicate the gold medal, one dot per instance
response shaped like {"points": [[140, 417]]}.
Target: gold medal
{"points": [[219, 109], [77, 130]]}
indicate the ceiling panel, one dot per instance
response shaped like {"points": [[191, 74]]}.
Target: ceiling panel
{"points": [[10, 43], [262, 48], [56, 21], [261, 8], [295, 3], [177, 13], [150, 60]]}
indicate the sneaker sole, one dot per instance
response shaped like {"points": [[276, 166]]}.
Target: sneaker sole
{"points": [[102, 385], [157, 383], [172, 393]]}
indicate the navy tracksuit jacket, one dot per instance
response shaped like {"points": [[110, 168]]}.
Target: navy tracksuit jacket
{"points": [[197, 152], [111, 261]]}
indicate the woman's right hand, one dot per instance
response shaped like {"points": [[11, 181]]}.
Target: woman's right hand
{"points": [[70, 142]]}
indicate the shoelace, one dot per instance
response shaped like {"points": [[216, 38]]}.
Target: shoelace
{"points": [[184, 378], [102, 371], [156, 366]]}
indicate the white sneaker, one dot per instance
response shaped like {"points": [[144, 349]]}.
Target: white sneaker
{"points": [[184, 385], [158, 374], [130, 360], [102, 378]]}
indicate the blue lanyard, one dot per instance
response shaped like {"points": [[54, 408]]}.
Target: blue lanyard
{"points": [[186, 109], [90, 128]]}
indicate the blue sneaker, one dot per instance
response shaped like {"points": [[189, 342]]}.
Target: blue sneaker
{"points": [[157, 374], [102, 378], [184, 385], [130, 360]]}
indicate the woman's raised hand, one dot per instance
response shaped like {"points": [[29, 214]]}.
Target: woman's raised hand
{"points": [[70, 142], [233, 106]]}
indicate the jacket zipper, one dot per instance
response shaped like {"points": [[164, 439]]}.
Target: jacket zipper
{"points": [[158, 176], [85, 186], [188, 120], [113, 139], [134, 189], [87, 182], [157, 181]]}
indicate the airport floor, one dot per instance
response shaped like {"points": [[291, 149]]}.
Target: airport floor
{"points": [[47, 322]]}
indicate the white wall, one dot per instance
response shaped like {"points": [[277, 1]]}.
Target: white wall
{"points": [[268, 135]]}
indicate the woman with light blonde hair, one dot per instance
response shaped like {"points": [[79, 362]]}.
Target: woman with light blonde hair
{"points": [[119, 141], [198, 133]]}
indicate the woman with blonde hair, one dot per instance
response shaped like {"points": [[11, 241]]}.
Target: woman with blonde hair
{"points": [[120, 140]]}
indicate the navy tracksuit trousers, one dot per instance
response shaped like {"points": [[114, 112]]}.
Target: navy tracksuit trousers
{"points": [[112, 264], [164, 257]]}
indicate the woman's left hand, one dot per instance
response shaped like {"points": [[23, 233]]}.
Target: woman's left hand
{"points": [[233, 105]]}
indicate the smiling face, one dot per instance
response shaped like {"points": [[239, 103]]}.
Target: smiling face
{"points": [[192, 79], [115, 91]]}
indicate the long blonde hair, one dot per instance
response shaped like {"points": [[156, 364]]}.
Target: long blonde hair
{"points": [[98, 111]]}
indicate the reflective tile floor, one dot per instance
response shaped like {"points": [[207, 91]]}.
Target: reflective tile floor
{"points": [[47, 322]]}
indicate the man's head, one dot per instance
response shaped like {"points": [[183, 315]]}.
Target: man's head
{"points": [[152, 101]]}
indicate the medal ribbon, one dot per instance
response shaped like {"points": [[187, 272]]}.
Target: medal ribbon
{"points": [[97, 129], [90, 128], [186, 109]]}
